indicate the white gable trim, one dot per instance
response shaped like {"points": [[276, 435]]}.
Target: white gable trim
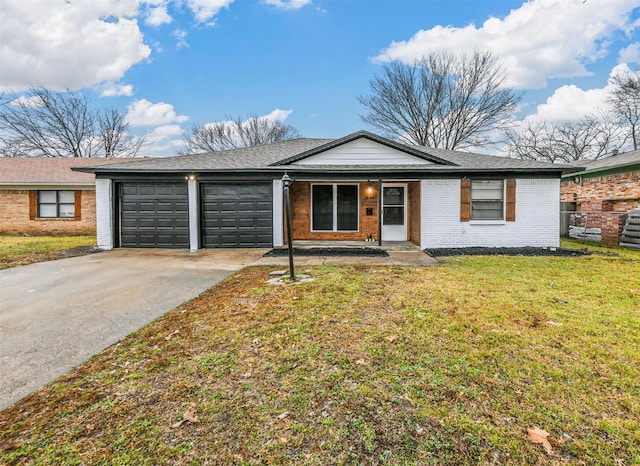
{"points": [[363, 151]]}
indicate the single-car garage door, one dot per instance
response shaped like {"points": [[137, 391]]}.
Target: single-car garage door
{"points": [[154, 215], [236, 215]]}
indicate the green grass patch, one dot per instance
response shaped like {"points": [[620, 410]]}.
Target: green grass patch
{"points": [[386, 365], [23, 250]]}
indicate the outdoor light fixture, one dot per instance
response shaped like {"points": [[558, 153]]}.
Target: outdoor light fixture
{"points": [[190, 177]]}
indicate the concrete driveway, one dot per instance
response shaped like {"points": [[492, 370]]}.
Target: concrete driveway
{"points": [[56, 315]]}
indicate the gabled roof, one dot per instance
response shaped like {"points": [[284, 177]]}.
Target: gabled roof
{"points": [[48, 170], [411, 150], [281, 156], [630, 160]]}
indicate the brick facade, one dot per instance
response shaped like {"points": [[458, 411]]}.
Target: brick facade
{"points": [[368, 224], [15, 215], [607, 199]]}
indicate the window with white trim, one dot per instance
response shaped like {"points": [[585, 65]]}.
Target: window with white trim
{"points": [[487, 199], [334, 207], [56, 204]]}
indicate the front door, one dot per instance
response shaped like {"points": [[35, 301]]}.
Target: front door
{"points": [[394, 212]]}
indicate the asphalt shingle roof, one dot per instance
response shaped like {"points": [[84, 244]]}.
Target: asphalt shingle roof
{"points": [[620, 160], [48, 170], [270, 157]]}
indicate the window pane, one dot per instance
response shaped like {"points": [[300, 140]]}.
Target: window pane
{"points": [[48, 197], [393, 216], [486, 210], [347, 207], [67, 210], [485, 189], [48, 210], [67, 197], [393, 196], [322, 207]]}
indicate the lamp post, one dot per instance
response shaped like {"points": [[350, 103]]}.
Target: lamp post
{"points": [[286, 182]]}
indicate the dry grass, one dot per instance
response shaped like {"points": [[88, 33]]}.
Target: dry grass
{"points": [[23, 250], [364, 365]]}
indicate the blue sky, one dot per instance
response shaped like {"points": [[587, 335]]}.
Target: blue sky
{"points": [[172, 63]]}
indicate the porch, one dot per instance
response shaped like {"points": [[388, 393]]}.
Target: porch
{"points": [[353, 214]]}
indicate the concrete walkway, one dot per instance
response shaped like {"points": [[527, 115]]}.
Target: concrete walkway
{"points": [[55, 315]]}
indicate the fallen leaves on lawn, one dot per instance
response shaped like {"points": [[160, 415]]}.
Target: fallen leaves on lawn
{"points": [[188, 416], [171, 335], [392, 338], [537, 435], [551, 322]]}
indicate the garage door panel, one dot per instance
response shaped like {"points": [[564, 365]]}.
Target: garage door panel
{"points": [[237, 215], [154, 215]]}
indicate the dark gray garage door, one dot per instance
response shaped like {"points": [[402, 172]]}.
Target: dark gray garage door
{"points": [[154, 215], [236, 215]]}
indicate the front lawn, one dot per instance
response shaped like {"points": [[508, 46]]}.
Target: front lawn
{"points": [[22, 250], [364, 365]]}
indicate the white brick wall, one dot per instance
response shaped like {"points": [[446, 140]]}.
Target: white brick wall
{"points": [[537, 217], [103, 214]]}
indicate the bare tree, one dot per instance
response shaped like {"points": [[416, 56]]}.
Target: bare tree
{"points": [[114, 137], [587, 139], [48, 123], [624, 103], [441, 101], [235, 133]]}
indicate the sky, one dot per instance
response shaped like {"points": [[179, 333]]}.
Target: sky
{"points": [[171, 63]]}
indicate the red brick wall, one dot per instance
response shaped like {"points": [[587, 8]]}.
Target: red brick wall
{"points": [[15, 218], [607, 199], [301, 215]]}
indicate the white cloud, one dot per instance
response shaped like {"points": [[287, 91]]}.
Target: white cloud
{"points": [[205, 10], [144, 113], [158, 15], [68, 45], [288, 4], [112, 89], [33, 101], [541, 39], [570, 102], [164, 132], [630, 54], [277, 115], [180, 36]]}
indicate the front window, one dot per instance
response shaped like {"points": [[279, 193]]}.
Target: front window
{"points": [[334, 207], [487, 199], [56, 204]]}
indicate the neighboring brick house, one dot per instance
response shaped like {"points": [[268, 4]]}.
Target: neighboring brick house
{"points": [[42, 195], [603, 194]]}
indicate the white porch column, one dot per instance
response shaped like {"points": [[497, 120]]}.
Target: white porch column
{"points": [[104, 209], [278, 217], [193, 215]]}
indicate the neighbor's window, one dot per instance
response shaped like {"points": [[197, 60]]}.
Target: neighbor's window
{"points": [[334, 207], [487, 199], [56, 204]]}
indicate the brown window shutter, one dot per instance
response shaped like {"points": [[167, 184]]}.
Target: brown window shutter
{"points": [[465, 200], [33, 204], [511, 200], [78, 206]]}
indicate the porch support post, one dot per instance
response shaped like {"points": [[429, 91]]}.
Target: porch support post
{"points": [[380, 213], [286, 181], [192, 188]]}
